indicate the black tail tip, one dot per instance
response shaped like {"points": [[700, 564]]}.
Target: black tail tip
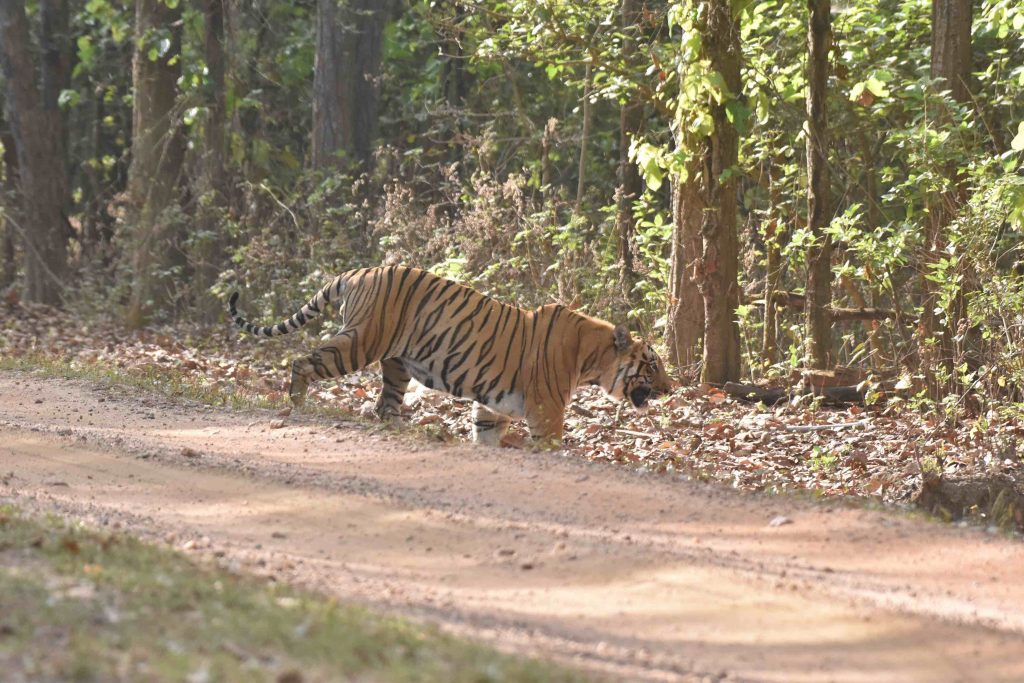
{"points": [[232, 300]]}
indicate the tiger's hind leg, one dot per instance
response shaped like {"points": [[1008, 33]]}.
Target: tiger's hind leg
{"points": [[488, 426], [334, 359], [396, 381]]}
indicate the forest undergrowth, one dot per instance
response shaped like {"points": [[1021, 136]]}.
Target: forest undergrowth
{"points": [[879, 453]]}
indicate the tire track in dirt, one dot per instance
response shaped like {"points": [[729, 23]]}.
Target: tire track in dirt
{"points": [[638, 577]]}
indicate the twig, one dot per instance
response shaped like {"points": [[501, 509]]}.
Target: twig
{"points": [[630, 432], [822, 428], [580, 410]]}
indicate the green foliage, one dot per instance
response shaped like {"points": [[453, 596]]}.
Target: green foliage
{"points": [[472, 93]]}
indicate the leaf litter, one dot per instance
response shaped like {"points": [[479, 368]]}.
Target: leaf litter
{"points": [[873, 452]]}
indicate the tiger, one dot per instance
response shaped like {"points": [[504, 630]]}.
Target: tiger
{"points": [[511, 361]]}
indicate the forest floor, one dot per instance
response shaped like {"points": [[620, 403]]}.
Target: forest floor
{"points": [[637, 576]]}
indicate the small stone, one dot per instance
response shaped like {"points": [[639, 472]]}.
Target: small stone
{"points": [[780, 520]]}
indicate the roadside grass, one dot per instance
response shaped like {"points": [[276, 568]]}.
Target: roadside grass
{"points": [[81, 605], [169, 381], [173, 382]]}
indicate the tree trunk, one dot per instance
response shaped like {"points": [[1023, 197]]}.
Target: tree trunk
{"points": [[719, 266], [55, 39], [775, 238], [212, 185], [630, 183], [38, 132], [872, 200], [158, 153], [11, 212], [818, 329], [685, 322], [581, 178], [951, 68], [454, 80], [349, 40]]}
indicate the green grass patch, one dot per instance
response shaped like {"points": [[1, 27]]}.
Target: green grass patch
{"points": [[80, 605]]}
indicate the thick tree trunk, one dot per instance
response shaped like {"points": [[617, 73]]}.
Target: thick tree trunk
{"points": [[55, 39], [349, 39], [818, 327], [212, 183], [719, 266], [951, 68], [38, 132], [158, 153], [11, 212], [685, 326]]}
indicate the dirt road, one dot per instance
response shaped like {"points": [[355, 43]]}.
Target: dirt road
{"points": [[637, 577]]}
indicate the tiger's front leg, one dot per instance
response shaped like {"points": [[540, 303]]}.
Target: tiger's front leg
{"points": [[546, 425], [396, 381], [488, 426], [327, 362]]}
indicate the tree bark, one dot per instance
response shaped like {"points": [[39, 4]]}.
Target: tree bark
{"points": [[951, 69], [212, 185], [629, 180], [453, 80], [158, 153], [349, 40], [719, 266], [38, 132], [775, 238], [10, 205], [685, 321], [581, 177], [818, 330]]}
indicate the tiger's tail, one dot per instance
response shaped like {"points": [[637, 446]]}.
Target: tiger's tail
{"points": [[312, 309]]}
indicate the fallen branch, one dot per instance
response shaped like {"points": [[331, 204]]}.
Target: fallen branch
{"points": [[836, 426], [752, 392]]}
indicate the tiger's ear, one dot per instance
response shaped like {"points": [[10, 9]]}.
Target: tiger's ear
{"points": [[622, 339]]}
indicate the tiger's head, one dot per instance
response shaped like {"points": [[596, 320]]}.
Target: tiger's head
{"points": [[636, 372]]}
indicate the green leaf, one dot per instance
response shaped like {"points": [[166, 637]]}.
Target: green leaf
{"points": [[739, 116], [68, 98], [876, 87], [1017, 144], [653, 176]]}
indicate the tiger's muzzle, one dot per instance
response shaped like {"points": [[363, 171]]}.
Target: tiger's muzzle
{"points": [[638, 396]]}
